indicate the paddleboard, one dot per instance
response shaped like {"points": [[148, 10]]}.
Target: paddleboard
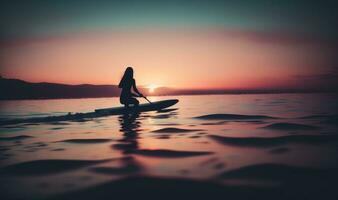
{"points": [[154, 106]]}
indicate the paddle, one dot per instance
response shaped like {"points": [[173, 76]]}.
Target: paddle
{"points": [[147, 99]]}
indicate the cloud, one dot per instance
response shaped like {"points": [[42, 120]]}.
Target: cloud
{"points": [[332, 74], [326, 81]]}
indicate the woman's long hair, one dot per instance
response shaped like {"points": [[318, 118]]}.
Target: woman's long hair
{"points": [[127, 77]]}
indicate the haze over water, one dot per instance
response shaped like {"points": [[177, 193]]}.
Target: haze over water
{"points": [[294, 134]]}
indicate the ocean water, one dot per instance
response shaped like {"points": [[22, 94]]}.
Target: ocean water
{"points": [[223, 139]]}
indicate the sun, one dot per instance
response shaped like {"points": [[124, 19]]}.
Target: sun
{"points": [[152, 88]]}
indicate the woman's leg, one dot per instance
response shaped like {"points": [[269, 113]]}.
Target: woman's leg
{"points": [[134, 101], [127, 103]]}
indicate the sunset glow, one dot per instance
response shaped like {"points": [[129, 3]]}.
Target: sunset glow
{"points": [[197, 49], [152, 88]]}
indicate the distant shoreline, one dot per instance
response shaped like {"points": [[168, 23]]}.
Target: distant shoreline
{"points": [[211, 94], [15, 89]]}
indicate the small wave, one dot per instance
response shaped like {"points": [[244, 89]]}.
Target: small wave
{"points": [[168, 124], [59, 123], [163, 137], [232, 117], [143, 187], [272, 141], [86, 141], [167, 110], [290, 126], [58, 149], [56, 128], [214, 123], [116, 170], [325, 119], [162, 116], [318, 117], [128, 166], [45, 167], [279, 150], [20, 137], [4, 149], [175, 130], [164, 153], [276, 172], [77, 117]]}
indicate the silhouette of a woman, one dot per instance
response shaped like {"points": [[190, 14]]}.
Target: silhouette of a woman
{"points": [[127, 83]]}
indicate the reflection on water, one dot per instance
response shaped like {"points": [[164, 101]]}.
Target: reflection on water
{"points": [[228, 139], [129, 127]]}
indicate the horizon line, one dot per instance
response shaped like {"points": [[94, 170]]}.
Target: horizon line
{"points": [[203, 91]]}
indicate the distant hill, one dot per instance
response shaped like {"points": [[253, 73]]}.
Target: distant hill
{"points": [[18, 89]]}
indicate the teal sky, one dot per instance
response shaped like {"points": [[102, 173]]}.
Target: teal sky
{"points": [[53, 17]]}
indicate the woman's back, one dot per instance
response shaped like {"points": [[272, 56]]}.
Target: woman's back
{"points": [[126, 86], [127, 83]]}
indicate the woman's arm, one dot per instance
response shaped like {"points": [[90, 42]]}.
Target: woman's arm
{"points": [[135, 89]]}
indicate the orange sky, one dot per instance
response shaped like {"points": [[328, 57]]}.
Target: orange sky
{"points": [[186, 58]]}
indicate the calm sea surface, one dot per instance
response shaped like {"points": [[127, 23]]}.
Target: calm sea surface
{"points": [[45, 159], [281, 105]]}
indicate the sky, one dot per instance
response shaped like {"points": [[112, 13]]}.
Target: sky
{"points": [[181, 44]]}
